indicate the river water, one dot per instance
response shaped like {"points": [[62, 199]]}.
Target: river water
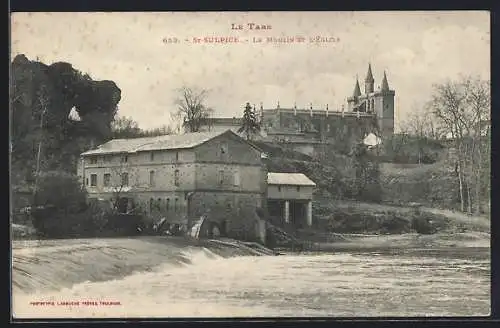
{"points": [[112, 278]]}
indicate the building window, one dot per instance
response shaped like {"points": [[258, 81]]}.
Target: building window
{"points": [[279, 188], [328, 127], [124, 158], [158, 204], [87, 181], [236, 178], [176, 178], [93, 180], [151, 205], [152, 178], [152, 156], [168, 204], [124, 179], [176, 205], [93, 160], [223, 149], [221, 177], [298, 188], [176, 156], [107, 179]]}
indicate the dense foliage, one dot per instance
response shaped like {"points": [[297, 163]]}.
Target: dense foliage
{"points": [[353, 176], [42, 98], [61, 208], [57, 112]]}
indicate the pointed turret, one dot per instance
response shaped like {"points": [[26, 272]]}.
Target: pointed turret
{"points": [[357, 90], [369, 75], [385, 84], [369, 81]]}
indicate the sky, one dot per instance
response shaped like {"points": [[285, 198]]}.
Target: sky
{"points": [[415, 49]]}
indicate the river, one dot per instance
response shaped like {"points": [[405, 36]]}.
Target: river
{"points": [[157, 277]]}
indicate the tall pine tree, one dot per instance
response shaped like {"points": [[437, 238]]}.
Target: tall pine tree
{"points": [[249, 122]]}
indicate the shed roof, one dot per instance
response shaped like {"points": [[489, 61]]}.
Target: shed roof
{"points": [[182, 141], [290, 179]]}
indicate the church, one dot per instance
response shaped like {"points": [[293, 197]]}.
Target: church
{"points": [[304, 129]]}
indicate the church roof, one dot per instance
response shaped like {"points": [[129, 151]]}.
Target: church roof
{"points": [[369, 75], [357, 90], [385, 84]]}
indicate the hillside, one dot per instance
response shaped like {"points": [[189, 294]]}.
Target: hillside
{"points": [[339, 207], [337, 176]]}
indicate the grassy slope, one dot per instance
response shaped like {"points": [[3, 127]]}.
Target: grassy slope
{"points": [[433, 185]]}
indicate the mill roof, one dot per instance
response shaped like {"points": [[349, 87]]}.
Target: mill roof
{"points": [[290, 179], [132, 145]]}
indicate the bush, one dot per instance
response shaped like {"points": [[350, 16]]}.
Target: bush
{"points": [[428, 223], [61, 208]]}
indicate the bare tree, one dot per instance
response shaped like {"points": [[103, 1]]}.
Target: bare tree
{"points": [[421, 126], [43, 101], [119, 181], [462, 110], [421, 123], [191, 108], [479, 103]]}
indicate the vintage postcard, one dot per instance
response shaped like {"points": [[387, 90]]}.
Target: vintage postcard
{"points": [[250, 164]]}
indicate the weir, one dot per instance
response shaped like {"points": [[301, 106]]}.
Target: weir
{"points": [[54, 265]]}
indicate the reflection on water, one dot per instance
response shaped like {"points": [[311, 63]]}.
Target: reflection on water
{"points": [[161, 280]]}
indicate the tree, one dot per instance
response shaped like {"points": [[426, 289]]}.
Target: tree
{"points": [[122, 178], [51, 92], [249, 122], [462, 111], [61, 206], [366, 173], [419, 135], [191, 110], [421, 123], [125, 127]]}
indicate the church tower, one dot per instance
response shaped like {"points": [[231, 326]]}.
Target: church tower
{"points": [[378, 102], [384, 108]]}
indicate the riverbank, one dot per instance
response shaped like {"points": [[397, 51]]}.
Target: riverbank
{"points": [[402, 242]]}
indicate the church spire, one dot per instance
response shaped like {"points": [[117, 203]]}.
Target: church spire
{"points": [[369, 81], [369, 75], [385, 84], [357, 90]]}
